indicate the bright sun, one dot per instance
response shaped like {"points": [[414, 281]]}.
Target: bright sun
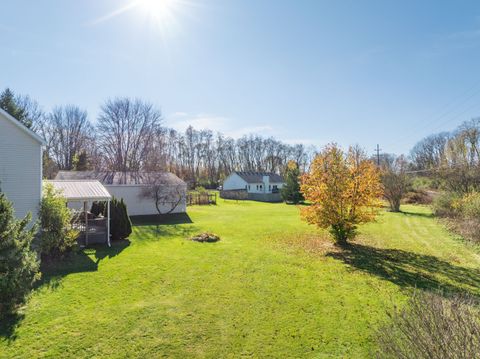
{"points": [[160, 10], [161, 14]]}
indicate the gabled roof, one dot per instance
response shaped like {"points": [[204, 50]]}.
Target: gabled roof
{"points": [[21, 126], [257, 177], [82, 190], [120, 178]]}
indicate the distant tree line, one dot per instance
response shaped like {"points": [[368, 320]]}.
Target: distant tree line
{"points": [[452, 160], [129, 135], [452, 157]]}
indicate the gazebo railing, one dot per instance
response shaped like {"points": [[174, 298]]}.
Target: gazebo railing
{"points": [[97, 229]]}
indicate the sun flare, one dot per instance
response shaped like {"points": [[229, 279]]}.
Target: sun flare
{"points": [[160, 10], [160, 13]]}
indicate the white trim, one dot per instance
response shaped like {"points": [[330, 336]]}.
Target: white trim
{"points": [[22, 127], [108, 223], [88, 199], [141, 185], [41, 176]]}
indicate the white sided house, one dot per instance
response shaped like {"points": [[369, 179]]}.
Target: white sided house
{"points": [[134, 187], [261, 186], [20, 165]]}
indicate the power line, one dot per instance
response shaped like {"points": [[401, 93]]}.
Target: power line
{"points": [[452, 111], [445, 167]]}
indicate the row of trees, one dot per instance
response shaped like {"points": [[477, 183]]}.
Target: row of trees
{"points": [[129, 136], [451, 160], [452, 157]]}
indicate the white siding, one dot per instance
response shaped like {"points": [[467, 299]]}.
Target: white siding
{"points": [[20, 168], [256, 187], [136, 205], [233, 182]]}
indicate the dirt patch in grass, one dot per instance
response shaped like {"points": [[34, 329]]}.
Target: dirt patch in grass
{"points": [[312, 244]]}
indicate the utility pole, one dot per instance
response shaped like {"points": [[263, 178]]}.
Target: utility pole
{"points": [[377, 150]]}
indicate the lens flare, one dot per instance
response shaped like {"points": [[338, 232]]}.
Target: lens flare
{"points": [[159, 10]]}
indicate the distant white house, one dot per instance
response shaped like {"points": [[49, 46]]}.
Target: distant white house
{"points": [[254, 182], [20, 165], [131, 186]]}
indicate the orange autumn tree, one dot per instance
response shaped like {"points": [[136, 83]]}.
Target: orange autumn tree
{"points": [[344, 190]]}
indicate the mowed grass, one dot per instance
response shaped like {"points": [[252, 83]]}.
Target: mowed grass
{"points": [[262, 291]]}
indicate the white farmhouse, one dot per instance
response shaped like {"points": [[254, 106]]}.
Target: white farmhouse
{"points": [[260, 186], [131, 187], [20, 165]]}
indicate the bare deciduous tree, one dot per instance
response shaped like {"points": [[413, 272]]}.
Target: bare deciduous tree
{"points": [[429, 153], [67, 132], [395, 181], [129, 137], [166, 192], [126, 131]]}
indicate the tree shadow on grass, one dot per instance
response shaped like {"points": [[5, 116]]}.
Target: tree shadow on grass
{"points": [[101, 251], [155, 219], [53, 271], [9, 324], [411, 270], [155, 227], [162, 231], [417, 214], [84, 260]]}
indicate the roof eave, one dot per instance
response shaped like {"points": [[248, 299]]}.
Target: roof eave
{"points": [[23, 127], [83, 199]]}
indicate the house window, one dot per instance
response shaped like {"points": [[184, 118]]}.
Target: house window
{"points": [[248, 186], [261, 186], [269, 187], [257, 187]]}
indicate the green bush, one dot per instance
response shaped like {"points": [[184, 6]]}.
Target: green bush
{"points": [[291, 189], [469, 206], [462, 213], [19, 266], [99, 208], [56, 235], [446, 205], [200, 189], [425, 183], [120, 224]]}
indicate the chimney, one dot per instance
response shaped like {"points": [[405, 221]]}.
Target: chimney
{"points": [[266, 183]]}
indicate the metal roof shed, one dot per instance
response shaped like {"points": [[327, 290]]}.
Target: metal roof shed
{"points": [[85, 191]]}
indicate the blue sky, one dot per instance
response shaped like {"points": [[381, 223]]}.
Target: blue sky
{"points": [[367, 72]]}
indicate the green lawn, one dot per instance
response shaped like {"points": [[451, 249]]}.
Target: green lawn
{"points": [[263, 291]]}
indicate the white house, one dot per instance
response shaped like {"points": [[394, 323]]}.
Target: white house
{"points": [[131, 186], [20, 165], [254, 182]]}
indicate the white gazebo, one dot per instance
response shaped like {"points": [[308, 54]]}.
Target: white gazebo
{"points": [[86, 192]]}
